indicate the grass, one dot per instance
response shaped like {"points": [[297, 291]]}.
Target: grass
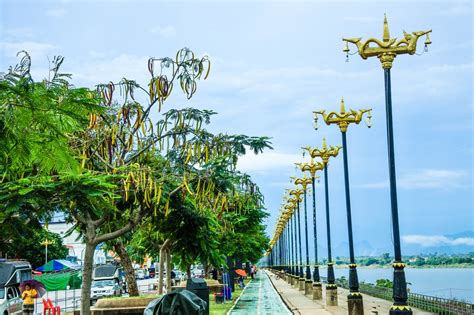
{"points": [[222, 309]]}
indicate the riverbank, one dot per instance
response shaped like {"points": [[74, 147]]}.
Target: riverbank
{"points": [[376, 266]]}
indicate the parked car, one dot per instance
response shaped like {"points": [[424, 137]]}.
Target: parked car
{"points": [[12, 273], [106, 281], [10, 301], [140, 274]]}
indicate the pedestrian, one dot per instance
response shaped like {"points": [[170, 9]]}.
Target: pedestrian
{"points": [[241, 282], [28, 303], [251, 271]]}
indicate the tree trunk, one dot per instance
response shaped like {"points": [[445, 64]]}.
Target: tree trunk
{"points": [[162, 265], [128, 268], [206, 270], [168, 271], [87, 265], [188, 272]]}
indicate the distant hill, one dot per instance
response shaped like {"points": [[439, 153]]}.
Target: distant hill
{"points": [[456, 243]]}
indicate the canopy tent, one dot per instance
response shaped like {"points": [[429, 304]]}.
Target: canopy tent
{"points": [[60, 280], [58, 265]]}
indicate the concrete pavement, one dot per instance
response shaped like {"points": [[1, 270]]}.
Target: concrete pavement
{"points": [[298, 303]]}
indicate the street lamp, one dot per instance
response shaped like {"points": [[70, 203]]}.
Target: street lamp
{"points": [[386, 50], [304, 182], [312, 168], [343, 120], [46, 243], [294, 267], [296, 193], [325, 153]]}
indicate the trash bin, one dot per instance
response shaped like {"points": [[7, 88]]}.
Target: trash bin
{"points": [[199, 287]]}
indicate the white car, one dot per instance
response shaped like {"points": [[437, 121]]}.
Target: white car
{"points": [[105, 287], [140, 274], [10, 301]]}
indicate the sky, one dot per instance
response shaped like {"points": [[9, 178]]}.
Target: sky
{"points": [[273, 63]]}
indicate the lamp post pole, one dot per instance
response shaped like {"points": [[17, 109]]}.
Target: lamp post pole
{"points": [[325, 153], [296, 193], [343, 119], [312, 168], [386, 51], [304, 182]]}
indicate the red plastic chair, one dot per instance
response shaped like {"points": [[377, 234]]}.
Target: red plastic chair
{"points": [[49, 308]]}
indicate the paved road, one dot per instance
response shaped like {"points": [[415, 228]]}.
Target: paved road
{"points": [[259, 298]]}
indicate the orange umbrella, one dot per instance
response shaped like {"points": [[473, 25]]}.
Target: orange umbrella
{"points": [[241, 272]]}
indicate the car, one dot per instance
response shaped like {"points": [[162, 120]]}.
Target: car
{"points": [[12, 273], [140, 274], [104, 288], [10, 301]]}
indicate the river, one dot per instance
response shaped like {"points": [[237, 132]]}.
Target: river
{"points": [[455, 283]]}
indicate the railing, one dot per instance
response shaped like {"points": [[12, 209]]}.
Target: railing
{"points": [[425, 302], [67, 300], [70, 300]]}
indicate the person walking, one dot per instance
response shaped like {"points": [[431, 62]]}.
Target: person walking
{"points": [[28, 296]]}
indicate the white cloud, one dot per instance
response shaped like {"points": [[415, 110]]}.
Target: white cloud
{"points": [[18, 33], [96, 54], [59, 12], [35, 49], [266, 161], [426, 179], [165, 31], [436, 240], [113, 69]]}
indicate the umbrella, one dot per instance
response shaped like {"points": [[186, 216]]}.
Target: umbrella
{"points": [[34, 284], [241, 272]]}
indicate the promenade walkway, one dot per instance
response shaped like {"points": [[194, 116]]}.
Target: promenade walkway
{"points": [[259, 298], [298, 303]]}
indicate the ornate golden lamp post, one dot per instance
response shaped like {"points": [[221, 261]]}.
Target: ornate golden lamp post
{"points": [[312, 168], [386, 50], [296, 193], [46, 243], [290, 207], [343, 119], [304, 182], [325, 153]]}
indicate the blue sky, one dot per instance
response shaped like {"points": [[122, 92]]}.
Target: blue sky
{"points": [[276, 62]]}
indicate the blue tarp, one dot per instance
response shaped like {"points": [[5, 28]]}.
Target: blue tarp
{"points": [[58, 265]]}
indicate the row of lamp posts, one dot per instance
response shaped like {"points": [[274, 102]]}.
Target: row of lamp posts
{"points": [[285, 252]]}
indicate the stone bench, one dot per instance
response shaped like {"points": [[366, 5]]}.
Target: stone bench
{"points": [[130, 306], [213, 285]]}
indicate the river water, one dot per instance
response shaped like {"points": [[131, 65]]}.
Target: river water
{"points": [[455, 283]]}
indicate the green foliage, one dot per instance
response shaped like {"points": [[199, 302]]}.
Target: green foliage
{"points": [[36, 119], [22, 237], [385, 283]]}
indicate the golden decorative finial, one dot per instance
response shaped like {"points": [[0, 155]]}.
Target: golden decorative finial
{"points": [[387, 49], [386, 33], [325, 153], [343, 109], [342, 119]]}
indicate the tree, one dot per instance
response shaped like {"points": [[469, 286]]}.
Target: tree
{"points": [[24, 235]]}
